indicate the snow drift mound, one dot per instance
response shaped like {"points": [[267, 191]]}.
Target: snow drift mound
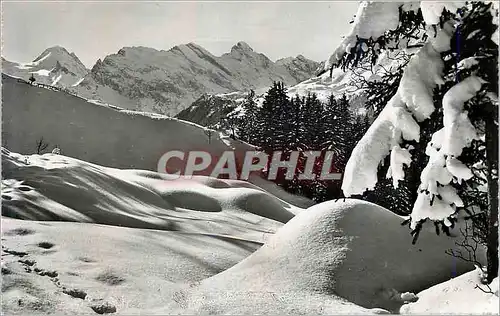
{"points": [[355, 250], [457, 296], [56, 187]]}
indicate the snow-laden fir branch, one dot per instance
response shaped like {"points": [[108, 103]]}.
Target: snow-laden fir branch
{"points": [[398, 121], [444, 167]]}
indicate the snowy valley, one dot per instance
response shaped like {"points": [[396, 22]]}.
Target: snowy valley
{"points": [[405, 106]]}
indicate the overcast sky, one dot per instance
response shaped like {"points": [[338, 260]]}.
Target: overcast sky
{"points": [[95, 29]]}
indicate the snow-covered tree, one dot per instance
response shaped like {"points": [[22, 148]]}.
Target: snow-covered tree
{"points": [[230, 123], [311, 120], [297, 129], [455, 121], [473, 57], [338, 127], [268, 121], [379, 84], [246, 123]]}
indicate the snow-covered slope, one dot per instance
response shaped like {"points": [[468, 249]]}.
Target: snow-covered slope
{"points": [[316, 263], [460, 295], [208, 225], [166, 82], [60, 188], [106, 135], [55, 66], [324, 85], [87, 268]]}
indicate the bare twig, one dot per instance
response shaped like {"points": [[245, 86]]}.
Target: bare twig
{"points": [[41, 146], [489, 291], [209, 132], [470, 244]]}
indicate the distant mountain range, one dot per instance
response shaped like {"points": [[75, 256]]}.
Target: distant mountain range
{"points": [[166, 82]]}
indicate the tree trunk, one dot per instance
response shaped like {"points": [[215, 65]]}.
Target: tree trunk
{"points": [[492, 177]]}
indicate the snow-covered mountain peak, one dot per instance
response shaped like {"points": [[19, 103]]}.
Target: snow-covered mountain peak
{"points": [[54, 66], [242, 46], [242, 51], [58, 54], [53, 50]]}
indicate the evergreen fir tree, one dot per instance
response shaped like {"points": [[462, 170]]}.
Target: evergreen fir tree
{"points": [[246, 124], [297, 123], [475, 54], [285, 123], [330, 123], [265, 119], [268, 120], [312, 117], [343, 132]]}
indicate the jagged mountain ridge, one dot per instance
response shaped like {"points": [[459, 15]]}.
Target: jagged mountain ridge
{"points": [[54, 66], [162, 81], [169, 81]]}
